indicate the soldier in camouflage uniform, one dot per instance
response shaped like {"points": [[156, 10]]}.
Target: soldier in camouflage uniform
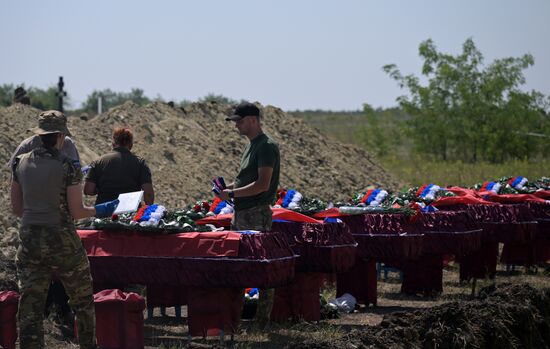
{"points": [[46, 193], [255, 186]]}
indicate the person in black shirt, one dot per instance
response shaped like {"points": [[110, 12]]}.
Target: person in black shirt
{"points": [[119, 171]]}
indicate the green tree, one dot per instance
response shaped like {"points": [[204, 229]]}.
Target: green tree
{"points": [[212, 97], [41, 99], [111, 99], [470, 112], [381, 132], [46, 99], [6, 94]]}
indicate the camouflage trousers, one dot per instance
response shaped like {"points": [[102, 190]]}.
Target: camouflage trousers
{"points": [[257, 218], [254, 218], [44, 251]]}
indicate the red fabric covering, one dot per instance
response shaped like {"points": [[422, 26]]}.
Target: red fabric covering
{"points": [[447, 232], [127, 243], [8, 323], [423, 276], [544, 194], [512, 198], [389, 248], [326, 247], [119, 319], [460, 200], [289, 215], [443, 221], [376, 223], [500, 223], [220, 220], [539, 210], [263, 260], [224, 220], [532, 249], [299, 300], [333, 212], [462, 191], [383, 237], [213, 309], [360, 282]]}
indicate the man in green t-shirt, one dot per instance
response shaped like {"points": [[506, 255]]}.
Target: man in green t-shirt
{"points": [[255, 186]]}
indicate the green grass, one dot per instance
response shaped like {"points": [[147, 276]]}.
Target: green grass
{"points": [[417, 170]]}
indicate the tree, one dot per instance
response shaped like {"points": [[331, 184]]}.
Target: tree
{"points": [[381, 131], [46, 99], [41, 99], [111, 99], [470, 112], [212, 97], [6, 94]]}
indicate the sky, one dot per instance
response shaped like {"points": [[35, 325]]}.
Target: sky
{"points": [[292, 54]]}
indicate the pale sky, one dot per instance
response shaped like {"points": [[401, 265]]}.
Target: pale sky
{"points": [[290, 54]]}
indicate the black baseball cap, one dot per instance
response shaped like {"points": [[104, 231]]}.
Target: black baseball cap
{"points": [[242, 110]]}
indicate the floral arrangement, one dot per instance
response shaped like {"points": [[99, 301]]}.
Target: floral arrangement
{"points": [[150, 219], [426, 194], [508, 185]]}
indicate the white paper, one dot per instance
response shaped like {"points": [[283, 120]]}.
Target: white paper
{"points": [[129, 202]]}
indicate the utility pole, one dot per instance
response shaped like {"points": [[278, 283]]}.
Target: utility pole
{"points": [[60, 94]]}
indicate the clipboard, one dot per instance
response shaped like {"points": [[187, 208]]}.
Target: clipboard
{"points": [[129, 202]]}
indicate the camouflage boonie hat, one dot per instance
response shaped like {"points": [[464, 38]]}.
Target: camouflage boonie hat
{"points": [[52, 121]]}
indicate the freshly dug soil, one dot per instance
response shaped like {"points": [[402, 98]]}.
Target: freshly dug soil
{"points": [[510, 316]]}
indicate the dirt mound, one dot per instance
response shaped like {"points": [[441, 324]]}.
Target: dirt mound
{"points": [[186, 147], [510, 316]]}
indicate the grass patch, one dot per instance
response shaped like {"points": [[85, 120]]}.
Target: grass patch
{"points": [[418, 170]]}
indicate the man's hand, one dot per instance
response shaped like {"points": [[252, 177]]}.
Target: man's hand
{"points": [[224, 195]]}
